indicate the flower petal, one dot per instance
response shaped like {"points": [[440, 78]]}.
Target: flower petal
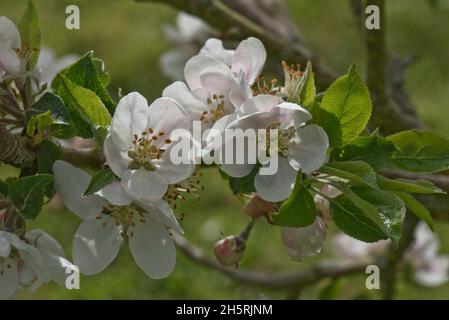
{"points": [[9, 32], [180, 92], [259, 103], [117, 160], [43, 242], [200, 64], [115, 194], [70, 183], [434, 272], [152, 248], [214, 48], [96, 244], [250, 58], [130, 118], [143, 185], [162, 212], [276, 187], [172, 62], [173, 173], [9, 60], [301, 115], [9, 280], [308, 153]]}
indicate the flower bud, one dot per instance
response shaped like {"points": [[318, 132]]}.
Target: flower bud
{"points": [[11, 221], [229, 251], [257, 207], [304, 242], [322, 204]]}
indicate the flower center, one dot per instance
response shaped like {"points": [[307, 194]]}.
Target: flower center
{"points": [[284, 137], [215, 109], [190, 186], [145, 149], [125, 216], [261, 86]]}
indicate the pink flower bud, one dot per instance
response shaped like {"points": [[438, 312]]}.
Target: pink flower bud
{"points": [[304, 242], [229, 251], [10, 221], [256, 207]]}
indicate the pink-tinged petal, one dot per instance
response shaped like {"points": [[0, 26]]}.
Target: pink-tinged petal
{"points": [[117, 160], [250, 58], [9, 280], [172, 172], [181, 93], [276, 187], [347, 247], [240, 90], [130, 118], [200, 64], [96, 244], [152, 248], [217, 84], [301, 115], [259, 103], [33, 259], [70, 183], [214, 48], [143, 185], [308, 153], [167, 115], [115, 194], [162, 212], [433, 272], [9, 32]]}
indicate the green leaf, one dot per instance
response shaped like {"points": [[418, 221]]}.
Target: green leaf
{"points": [[62, 131], [410, 186], [104, 76], [357, 172], [354, 221], [54, 104], [39, 123], [84, 74], [86, 103], [47, 153], [3, 189], [345, 109], [420, 151], [299, 209], [30, 33], [100, 180], [307, 90], [27, 194], [374, 150], [416, 208], [244, 184]]}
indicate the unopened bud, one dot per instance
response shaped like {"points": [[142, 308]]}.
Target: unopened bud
{"points": [[304, 242], [229, 251], [11, 221], [257, 207]]}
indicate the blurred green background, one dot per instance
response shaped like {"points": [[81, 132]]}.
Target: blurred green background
{"points": [[128, 36]]}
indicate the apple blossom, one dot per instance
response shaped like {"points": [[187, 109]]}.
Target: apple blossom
{"points": [[110, 217], [10, 44], [300, 146], [30, 262], [229, 251], [48, 65], [306, 241], [138, 146]]}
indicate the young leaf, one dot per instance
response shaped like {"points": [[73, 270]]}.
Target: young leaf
{"points": [[410, 186], [99, 181], [374, 150], [420, 151], [307, 90], [54, 104], [104, 76], [353, 221], [416, 208], [357, 172], [62, 131], [86, 103], [84, 74], [47, 153], [27, 194], [299, 209], [345, 109], [30, 33]]}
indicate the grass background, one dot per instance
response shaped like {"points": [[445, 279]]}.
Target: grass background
{"points": [[128, 36]]}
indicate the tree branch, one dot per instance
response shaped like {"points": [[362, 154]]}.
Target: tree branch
{"points": [[287, 281], [14, 151]]}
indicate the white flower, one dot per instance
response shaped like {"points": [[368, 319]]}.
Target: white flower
{"points": [[48, 65], [9, 46], [304, 242], [109, 217], [187, 35], [429, 268], [138, 146], [300, 147], [218, 80], [30, 262]]}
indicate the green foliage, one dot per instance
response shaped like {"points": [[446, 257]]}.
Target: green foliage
{"points": [[50, 102], [100, 180], [244, 185], [344, 110], [374, 150], [416, 208], [409, 186], [307, 90], [27, 194], [358, 173], [47, 153], [30, 33], [299, 209], [420, 151]]}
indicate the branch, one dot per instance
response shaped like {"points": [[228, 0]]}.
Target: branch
{"points": [[14, 151], [84, 157], [325, 269]]}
